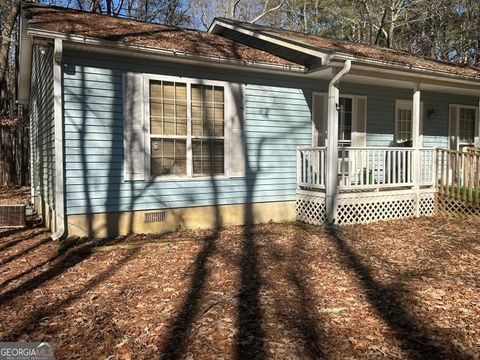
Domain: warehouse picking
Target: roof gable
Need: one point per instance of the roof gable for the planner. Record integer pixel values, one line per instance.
(328, 46)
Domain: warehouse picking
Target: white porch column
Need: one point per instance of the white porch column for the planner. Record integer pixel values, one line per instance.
(416, 168)
(416, 114)
(331, 176)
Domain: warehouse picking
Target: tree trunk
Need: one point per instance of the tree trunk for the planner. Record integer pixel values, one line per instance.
(6, 33)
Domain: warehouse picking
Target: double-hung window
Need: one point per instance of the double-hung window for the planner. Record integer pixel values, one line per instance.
(182, 128)
(186, 127)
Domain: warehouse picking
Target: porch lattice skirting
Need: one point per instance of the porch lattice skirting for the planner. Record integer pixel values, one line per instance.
(365, 207)
(310, 207)
(457, 208)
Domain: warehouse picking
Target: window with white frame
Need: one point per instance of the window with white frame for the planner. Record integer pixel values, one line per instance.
(345, 121)
(187, 128)
(466, 126)
(403, 120)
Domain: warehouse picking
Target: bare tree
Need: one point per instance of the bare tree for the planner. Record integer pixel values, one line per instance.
(8, 23)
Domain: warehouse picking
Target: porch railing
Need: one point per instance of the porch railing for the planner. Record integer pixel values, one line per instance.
(311, 167)
(458, 174)
(367, 167)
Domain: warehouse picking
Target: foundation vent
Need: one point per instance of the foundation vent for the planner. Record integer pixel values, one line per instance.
(12, 216)
(155, 217)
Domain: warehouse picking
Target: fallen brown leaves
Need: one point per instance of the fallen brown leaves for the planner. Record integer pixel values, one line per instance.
(17, 196)
(397, 289)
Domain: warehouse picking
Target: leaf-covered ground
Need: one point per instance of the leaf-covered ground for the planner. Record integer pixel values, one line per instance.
(16, 196)
(400, 289)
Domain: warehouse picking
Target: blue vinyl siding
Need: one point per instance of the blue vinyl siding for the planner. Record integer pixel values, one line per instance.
(381, 113)
(277, 120)
(42, 125)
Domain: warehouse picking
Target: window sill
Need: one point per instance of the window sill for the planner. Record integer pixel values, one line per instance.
(172, 178)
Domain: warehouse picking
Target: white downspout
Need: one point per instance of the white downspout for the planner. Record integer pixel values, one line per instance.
(331, 186)
(58, 117)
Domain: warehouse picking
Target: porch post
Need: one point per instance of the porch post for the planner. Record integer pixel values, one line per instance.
(331, 177)
(331, 183)
(416, 168)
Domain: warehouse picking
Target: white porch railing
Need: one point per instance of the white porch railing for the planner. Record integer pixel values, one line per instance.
(367, 167)
(311, 167)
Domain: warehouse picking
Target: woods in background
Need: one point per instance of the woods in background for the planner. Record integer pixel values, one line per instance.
(14, 141)
(446, 30)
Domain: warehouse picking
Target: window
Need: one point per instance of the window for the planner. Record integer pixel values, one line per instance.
(345, 116)
(187, 128)
(403, 120)
(466, 126)
(208, 114)
(463, 126)
(168, 128)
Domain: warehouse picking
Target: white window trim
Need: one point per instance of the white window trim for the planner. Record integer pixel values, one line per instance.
(457, 125)
(227, 111)
(354, 117)
(314, 140)
(404, 103)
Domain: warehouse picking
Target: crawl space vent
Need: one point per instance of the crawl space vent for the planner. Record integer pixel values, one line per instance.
(155, 217)
(12, 216)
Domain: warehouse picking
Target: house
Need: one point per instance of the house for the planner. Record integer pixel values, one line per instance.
(140, 127)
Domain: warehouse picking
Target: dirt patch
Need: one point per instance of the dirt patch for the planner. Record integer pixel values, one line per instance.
(394, 289)
(14, 196)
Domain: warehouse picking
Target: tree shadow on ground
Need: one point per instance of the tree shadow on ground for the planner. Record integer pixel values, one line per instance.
(250, 339)
(70, 253)
(413, 337)
(310, 328)
(31, 224)
(175, 345)
(294, 307)
(25, 252)
(35, 318)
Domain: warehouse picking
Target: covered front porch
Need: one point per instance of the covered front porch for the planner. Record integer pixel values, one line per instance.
(372, 183)
(358, 170)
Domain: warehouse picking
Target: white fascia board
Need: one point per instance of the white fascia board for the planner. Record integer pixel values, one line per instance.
(400, 69)
(98, 45)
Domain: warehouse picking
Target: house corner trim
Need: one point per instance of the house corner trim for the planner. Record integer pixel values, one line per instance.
(58, 119)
